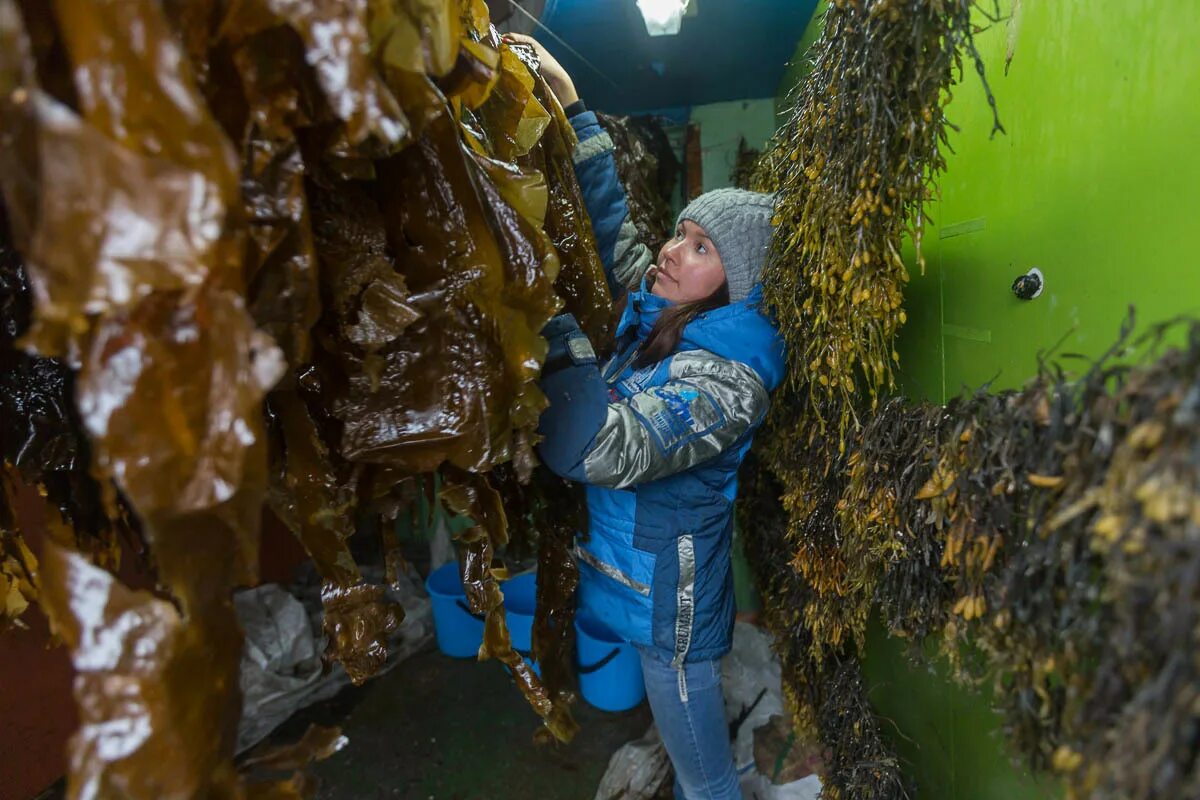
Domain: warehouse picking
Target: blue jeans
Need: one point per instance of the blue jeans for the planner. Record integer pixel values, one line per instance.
(694, 730)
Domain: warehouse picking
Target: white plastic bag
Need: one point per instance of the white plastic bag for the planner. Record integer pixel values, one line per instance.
(749, 673)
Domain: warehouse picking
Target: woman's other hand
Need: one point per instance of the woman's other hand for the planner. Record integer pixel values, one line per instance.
(559, 81)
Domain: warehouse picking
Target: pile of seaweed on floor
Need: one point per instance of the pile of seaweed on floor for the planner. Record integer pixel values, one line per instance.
(1047, 539)
(279, 254)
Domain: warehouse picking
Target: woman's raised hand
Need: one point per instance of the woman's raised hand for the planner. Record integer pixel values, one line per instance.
(559, 81)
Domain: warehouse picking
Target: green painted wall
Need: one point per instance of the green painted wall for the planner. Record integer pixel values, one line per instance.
(947, 736)
(1096, 184)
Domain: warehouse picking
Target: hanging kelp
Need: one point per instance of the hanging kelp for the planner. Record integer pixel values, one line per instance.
(547, 513)
(482, 284)
(18, 565)
(543, 517)
(43, 445)
(745, 166)
(581, 281)
(473, 496)
(649, 171)
(122, 206)
(295, 85)
(410, 367)
(378, 193)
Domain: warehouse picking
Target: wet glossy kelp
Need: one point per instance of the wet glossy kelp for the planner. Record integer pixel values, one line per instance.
(286, 254)
(649, 171)
(119, 199)
(43, 444)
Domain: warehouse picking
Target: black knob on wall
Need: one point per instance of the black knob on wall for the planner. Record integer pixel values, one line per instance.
(1029, 285)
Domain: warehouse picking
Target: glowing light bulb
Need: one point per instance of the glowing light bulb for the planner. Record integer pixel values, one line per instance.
(663, 17)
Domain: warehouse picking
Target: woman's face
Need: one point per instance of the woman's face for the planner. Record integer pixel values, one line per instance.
(688, 267)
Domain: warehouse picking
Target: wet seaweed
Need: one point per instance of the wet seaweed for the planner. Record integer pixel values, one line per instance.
(744, 174)
(853, 166)
(649, 171)
(1042, 538)
(1016, 530)
(388, 219)
(823, 686)
(43, 445)
(294, 254)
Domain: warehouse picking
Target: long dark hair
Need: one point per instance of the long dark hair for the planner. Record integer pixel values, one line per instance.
(668, 328)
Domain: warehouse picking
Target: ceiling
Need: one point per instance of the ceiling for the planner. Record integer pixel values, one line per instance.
(726, 50)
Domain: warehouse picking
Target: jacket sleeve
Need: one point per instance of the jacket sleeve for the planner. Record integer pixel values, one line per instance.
(577, 395)
(625, 258)
(705, 407)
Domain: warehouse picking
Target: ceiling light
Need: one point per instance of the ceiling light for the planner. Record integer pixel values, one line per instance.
(663, 17)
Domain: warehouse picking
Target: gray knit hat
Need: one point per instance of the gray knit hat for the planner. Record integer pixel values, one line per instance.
(739, 224)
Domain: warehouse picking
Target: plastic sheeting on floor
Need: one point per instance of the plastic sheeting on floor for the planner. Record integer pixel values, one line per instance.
(637, 771)
(281, 669)
(751, 680)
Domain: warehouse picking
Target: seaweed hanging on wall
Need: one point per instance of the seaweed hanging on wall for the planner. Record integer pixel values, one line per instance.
(1145, 522)
(890, 524)
(1045, 540)
(823, 688)
(745, 166)
(853, 166)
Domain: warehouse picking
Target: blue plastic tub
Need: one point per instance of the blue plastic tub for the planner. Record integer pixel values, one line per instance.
(459, 632)
(610, 671)
(520, 602)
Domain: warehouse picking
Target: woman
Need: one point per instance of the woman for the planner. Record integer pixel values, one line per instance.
(658, 433)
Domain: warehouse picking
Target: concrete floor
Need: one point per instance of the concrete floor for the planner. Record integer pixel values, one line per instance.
(448, 729)
(438, 728)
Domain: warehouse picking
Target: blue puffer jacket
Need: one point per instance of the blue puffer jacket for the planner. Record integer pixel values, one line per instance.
(659, 447)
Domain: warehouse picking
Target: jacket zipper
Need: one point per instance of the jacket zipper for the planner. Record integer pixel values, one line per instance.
(614, 374)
